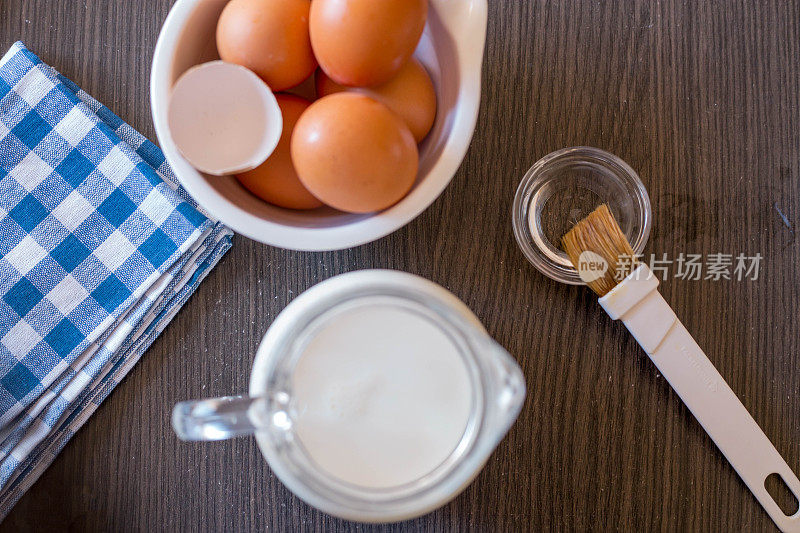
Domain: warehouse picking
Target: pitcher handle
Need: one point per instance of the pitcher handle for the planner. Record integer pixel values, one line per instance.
(229, 416)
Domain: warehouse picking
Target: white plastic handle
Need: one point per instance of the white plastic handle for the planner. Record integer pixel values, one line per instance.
(637, 302)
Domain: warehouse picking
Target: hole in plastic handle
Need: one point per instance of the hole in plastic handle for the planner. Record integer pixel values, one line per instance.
(782, 494)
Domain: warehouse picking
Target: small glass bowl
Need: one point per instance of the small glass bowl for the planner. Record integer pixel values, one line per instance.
(565, 186)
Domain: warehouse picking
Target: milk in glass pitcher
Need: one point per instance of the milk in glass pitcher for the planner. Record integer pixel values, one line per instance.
(375, 396)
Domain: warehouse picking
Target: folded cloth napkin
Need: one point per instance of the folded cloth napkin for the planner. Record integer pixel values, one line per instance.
(99, 248)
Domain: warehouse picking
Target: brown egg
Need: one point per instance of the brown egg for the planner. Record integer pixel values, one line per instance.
(410, 94)
(275, 180)
(354, 153)
(361, 43)
(270, 37)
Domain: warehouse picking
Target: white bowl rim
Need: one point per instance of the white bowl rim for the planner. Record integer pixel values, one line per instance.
(371, 228)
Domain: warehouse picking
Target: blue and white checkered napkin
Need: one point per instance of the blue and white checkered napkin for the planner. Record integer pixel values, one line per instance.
(99, 248)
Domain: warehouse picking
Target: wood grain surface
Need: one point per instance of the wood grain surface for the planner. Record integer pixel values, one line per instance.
(701, 98)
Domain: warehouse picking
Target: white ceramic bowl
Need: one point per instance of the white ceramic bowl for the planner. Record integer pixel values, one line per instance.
(451, 48)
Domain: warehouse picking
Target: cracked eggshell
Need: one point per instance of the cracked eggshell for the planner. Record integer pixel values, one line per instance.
(223, 118)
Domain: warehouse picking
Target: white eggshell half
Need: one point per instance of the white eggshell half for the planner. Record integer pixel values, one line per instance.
(223, 118)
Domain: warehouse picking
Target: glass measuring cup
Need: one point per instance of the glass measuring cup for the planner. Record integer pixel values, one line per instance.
(269, 412)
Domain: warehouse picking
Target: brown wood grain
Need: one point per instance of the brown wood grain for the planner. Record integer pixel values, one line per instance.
(701, 98)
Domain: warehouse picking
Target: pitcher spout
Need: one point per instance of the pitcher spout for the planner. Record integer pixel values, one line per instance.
(507, 381)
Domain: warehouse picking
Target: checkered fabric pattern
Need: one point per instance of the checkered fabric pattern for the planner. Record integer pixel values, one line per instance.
(99, 248)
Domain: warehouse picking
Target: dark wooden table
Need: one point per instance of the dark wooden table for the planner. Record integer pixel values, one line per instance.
(701, 98)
